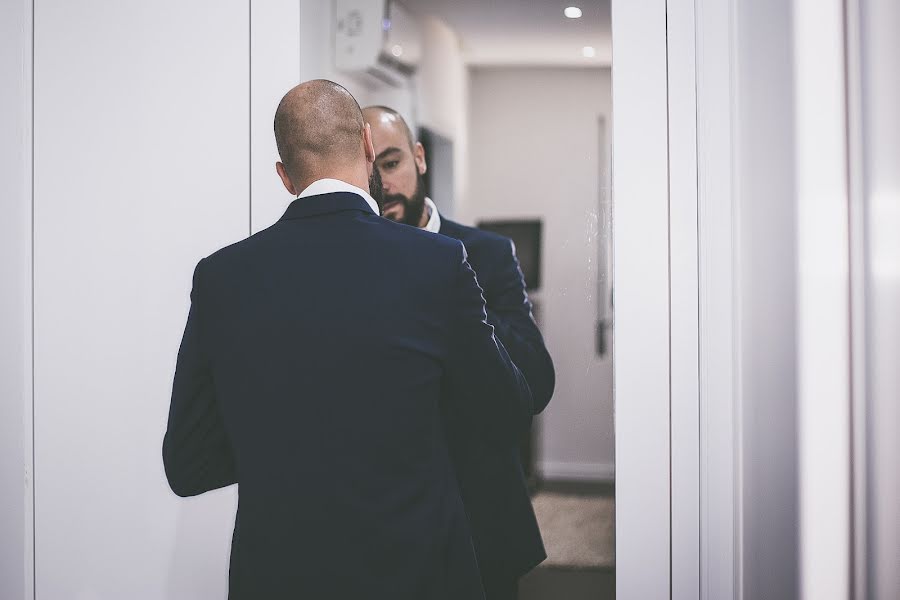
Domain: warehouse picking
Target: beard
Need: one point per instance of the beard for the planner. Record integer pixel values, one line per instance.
(413, 207)
(375, 188)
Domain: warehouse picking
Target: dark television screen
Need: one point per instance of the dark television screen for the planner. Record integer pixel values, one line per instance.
(526, 235)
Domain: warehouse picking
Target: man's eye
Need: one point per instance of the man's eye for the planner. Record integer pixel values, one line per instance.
(391, 164)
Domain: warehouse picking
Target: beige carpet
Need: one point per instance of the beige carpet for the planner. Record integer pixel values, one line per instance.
(578, 531)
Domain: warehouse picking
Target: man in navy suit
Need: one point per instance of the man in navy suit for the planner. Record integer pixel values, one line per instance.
(311, 372)
(507, 539)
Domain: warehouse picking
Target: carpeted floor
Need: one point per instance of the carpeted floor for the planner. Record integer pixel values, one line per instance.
(578, 531)
(579, 535)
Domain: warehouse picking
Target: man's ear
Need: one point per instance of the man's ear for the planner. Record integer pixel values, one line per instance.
(368, 144)
(288, 184)
(419, 154)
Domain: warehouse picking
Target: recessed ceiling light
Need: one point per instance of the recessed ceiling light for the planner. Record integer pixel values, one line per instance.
(573, 12)
(588, 52)
(397, 50)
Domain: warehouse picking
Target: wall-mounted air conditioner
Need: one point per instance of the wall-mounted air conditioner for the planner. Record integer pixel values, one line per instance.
(376, 39)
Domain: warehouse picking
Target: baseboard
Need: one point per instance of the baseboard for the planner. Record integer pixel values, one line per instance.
(576, 471)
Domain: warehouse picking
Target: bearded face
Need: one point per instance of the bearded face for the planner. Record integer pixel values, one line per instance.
(406, 209)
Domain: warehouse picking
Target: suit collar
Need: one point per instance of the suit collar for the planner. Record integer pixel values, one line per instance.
(329, 185)
(323, 204)
(448, 226)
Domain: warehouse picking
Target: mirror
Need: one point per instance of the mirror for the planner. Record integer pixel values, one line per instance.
(511, 102)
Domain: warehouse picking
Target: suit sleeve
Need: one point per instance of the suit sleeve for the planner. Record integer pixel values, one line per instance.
(491, 392)
(196, 452)
(509, 311)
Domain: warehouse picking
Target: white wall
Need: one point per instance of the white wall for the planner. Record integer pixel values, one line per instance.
(15, 298)
(317, 48)
(442, 102)
(143, 142)
(274, 69)
(535, 153)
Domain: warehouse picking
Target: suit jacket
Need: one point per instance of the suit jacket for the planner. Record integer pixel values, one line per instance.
(506, 534)
(310, 373)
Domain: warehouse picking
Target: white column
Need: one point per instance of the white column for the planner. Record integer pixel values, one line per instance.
(16, 499)
(765, 313)
(880, 136)
(685, 288)
(641, 254)
(823, 284)
(718, 274)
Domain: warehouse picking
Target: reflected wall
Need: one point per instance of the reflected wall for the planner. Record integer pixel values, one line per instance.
(537, 148)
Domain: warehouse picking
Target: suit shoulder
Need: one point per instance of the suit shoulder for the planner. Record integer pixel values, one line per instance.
(237, 250)
(415, 235)
(239, 247)
(477, 239)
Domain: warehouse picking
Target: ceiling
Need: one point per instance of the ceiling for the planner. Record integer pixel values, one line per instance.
(524, 32)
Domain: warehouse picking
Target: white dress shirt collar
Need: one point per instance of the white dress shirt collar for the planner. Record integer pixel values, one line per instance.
(330, 186)
(434, 219)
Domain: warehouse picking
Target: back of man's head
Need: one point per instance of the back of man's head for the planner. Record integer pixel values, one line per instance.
(319, 132)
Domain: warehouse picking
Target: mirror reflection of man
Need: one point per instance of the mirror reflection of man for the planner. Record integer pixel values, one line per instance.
(507, 540)
(286, 382)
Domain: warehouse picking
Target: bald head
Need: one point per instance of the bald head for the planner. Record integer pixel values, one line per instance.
(384, 117)
(319, 132)
(400, 160)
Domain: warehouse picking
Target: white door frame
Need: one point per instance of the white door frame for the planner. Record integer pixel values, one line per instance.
(874, 148)
(641, 274)
(16, 383)
(675, 353)
(719, 275)
(679, 223)
(684, 299)
(823, 299)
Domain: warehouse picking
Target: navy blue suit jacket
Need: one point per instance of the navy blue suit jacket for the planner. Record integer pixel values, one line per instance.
(507, 539)
(311, 373)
